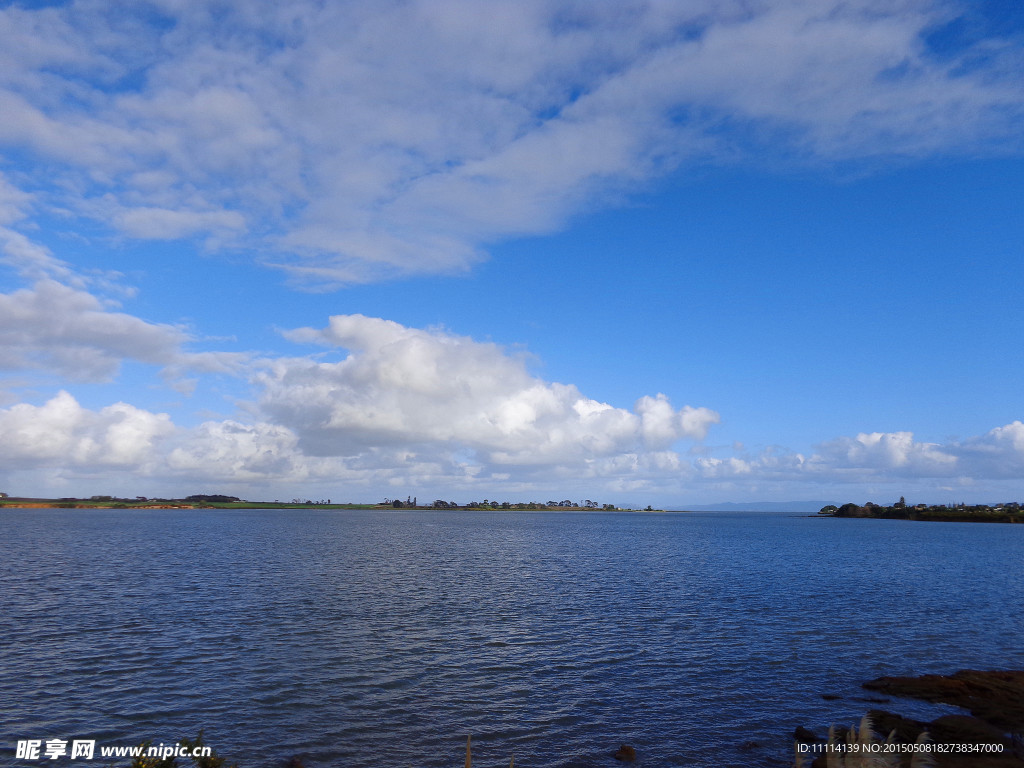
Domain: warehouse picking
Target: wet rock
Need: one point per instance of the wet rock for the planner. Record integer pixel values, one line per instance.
(805, 735)
(625, 753)
(996, 697)
(995, 700)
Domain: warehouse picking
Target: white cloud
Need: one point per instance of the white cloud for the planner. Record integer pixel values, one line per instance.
(13, 202)
(405, 406)
(61, 442)
(405, 386)
(349, 142)
(998, 453)
(165, 224)
(890, 458)
(892, 451)
(70, 332)
(63, 434)
(30, 259)
(661, 425)
(886, 457)
(55, 327)
(238, 453)
(711, 467)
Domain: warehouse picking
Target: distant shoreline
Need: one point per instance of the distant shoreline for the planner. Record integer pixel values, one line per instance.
(87, 504)
(138, 503)
(1011, 512)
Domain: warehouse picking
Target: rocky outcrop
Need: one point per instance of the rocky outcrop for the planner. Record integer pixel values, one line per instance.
(995, 700)
(996, 697)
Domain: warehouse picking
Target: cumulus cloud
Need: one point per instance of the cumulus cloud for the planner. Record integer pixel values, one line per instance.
(891, 451)
(349, 142)
(62, 433)
(880, 457)
(868, 457)
(451, 453)
(404, 406)
(406, 386)
(238, 452)
(661, 425)
(998, 453)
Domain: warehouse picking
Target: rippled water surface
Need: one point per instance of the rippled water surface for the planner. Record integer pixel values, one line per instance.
(382, 639)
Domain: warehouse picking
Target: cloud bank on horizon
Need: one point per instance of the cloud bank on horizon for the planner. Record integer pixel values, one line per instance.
(352, 143)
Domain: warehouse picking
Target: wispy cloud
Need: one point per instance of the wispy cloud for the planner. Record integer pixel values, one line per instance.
(350, 142)
(67, 331)
(359, 141)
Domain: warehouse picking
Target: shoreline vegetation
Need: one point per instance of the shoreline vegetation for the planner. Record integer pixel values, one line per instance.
(1009, 512)
(220, 501)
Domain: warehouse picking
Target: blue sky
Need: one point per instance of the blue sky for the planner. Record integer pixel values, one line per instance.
(643, 252)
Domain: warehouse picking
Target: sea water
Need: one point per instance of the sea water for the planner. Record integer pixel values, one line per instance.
(359, 638)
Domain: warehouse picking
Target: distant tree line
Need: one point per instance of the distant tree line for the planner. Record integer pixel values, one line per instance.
(411, 503)
(1008, 512)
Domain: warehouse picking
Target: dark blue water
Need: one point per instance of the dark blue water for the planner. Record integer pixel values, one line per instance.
(383, 639)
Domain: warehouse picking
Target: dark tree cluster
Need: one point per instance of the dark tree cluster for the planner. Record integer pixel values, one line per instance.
(493, 504)
(1009, 512)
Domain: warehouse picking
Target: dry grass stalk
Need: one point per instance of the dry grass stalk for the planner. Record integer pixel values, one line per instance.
(923, 759)
(799, 762)
(862, 749)
(469, 755)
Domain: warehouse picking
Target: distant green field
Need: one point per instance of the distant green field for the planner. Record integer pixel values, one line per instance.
(157, 503)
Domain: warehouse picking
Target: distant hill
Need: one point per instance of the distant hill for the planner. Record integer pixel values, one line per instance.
(759, 506)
